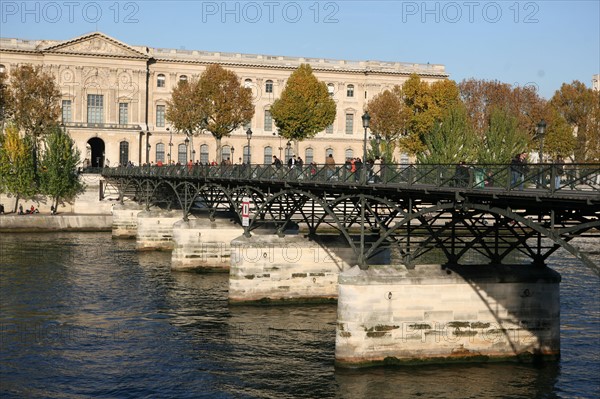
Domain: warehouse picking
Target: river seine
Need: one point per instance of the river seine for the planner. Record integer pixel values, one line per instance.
(85, 316)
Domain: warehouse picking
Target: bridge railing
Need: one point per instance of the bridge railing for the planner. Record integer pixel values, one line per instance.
(546, 177)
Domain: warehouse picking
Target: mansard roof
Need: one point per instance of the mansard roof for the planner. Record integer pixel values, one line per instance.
(98, 44)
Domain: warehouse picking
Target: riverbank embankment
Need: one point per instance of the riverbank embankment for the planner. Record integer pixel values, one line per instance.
(62, 222)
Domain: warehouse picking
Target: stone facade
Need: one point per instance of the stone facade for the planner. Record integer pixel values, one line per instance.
(114, 96)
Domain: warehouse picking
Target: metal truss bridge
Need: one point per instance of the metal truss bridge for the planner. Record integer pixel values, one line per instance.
(483, 214)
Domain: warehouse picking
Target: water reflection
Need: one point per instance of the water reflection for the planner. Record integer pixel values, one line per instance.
(84, 316)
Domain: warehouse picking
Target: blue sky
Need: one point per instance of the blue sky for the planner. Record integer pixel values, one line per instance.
(541, 43)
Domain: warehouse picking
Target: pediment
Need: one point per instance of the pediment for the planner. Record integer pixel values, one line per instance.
(95, 44)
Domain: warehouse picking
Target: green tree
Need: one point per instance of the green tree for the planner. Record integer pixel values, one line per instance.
(16, 165)
(33, 104)
(559, 138)
(503, 139)
(576, 103)
(305, 107)
(3, 100)
(60, 180)
(224, 103)
(452, 139)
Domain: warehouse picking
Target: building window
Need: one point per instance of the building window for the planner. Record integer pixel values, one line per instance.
(246, 154)
(123, 113)
(160, 116)
(183, 78)
(268, 156)
(160, 152)
(349, 123)
(329, 129)
(225, 153)
(204, 154)
(160, 80)
(331, 89)
(95, 108)
(2, 68)
(247, 126)
(67, 115)
(308, 156)
(269, 86)
(123, 153)
(328, 152)
(289, 152)
(268, 121)
(248, 83)
(350, 91)
(349, 153)
(182, 154)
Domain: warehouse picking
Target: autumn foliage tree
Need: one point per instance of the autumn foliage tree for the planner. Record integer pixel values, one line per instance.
(578, 105)
(183, 110)
(388, 120)
(225, 104)
(33, 104)
(305, 106)
(17, 176)
(424, 106)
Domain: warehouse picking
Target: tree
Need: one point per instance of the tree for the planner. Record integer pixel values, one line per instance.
(305, 107)
(183, 109)
(503, 139)
(59, 167)
(576, 103)
(424, 105)
(16, 165)
(482, 97)
(388, 121)
(225, 104)
(559, 138)
(3, 100)
(452, 139)
(33, 104)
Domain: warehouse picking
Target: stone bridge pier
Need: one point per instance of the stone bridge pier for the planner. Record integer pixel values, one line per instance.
(269, 269)
(392, 315)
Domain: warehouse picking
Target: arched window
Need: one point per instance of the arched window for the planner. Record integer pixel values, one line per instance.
(204, 154)
(226, 153)
(160, 152)
(269, 86)
(248, 83)
(349, 153)
(331, 89)
(160, 80)
(328, 151)
(268, 156)
(289, 151)
(350, 91)
(308, 156)
(2, 68)
(123, 153)
(182, 154)
(183, 78)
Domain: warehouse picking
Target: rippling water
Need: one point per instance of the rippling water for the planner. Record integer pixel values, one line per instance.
(84, 316)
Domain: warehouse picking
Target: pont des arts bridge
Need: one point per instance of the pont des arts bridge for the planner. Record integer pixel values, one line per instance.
(428, 263)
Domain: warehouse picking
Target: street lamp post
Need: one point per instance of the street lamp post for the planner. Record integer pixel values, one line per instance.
(280, 146)
(148, 134)
(193, 155)
(366, 119)
(187, 143)
(288, 149)
(232, 152)
(249, 136)
(541, 132)
(170, 143)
